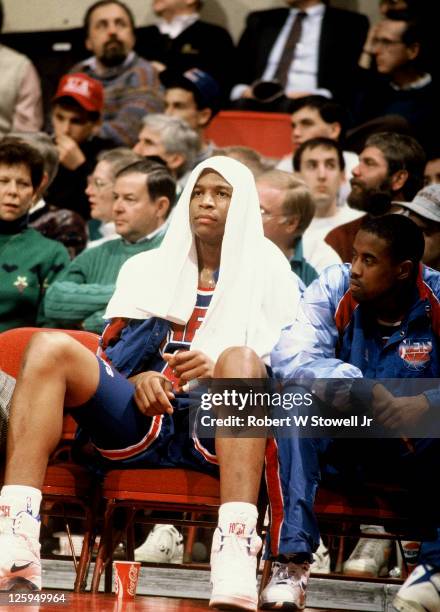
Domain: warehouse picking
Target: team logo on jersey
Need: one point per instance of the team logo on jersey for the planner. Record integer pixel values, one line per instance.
(415, 354)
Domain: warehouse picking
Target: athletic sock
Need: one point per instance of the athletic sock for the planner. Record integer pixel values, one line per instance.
(232, 515)
(19, 498)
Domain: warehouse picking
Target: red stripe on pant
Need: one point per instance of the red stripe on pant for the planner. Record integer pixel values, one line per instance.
(131, 451)
(274, 491)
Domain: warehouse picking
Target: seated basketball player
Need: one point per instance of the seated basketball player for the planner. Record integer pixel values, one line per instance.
(217, 288)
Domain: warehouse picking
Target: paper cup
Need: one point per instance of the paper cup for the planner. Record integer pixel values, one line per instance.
(126, 574)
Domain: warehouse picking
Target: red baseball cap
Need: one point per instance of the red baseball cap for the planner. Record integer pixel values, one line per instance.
(88, 92)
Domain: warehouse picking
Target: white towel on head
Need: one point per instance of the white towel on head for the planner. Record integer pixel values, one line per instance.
(256, 294)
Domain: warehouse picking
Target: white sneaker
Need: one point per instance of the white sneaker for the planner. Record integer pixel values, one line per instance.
(64, 547)
(287, 587)
(321, 560)
(20, 565)
(164, 544)
(420, 592)
(369, 557)
(234, 568)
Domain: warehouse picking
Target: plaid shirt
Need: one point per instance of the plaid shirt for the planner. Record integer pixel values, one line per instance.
(7, 384)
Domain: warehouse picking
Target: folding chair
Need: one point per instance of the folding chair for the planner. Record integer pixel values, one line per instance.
(171, 490)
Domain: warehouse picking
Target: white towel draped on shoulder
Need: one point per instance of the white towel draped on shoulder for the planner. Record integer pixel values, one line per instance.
(256, 294)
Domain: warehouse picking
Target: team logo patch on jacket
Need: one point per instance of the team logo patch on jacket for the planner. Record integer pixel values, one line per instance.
(415, 354)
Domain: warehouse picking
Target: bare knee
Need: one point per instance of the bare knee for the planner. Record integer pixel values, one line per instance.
(48, 350)
(239, 362)
(56, 357)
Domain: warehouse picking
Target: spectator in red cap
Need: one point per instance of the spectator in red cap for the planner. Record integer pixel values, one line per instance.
(76, 116)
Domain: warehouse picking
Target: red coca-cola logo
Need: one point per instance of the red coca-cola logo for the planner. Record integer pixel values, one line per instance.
(132, 577)
(118, 584)
(126, 576)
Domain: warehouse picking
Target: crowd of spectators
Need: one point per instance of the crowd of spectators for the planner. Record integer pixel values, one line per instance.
(103, 175)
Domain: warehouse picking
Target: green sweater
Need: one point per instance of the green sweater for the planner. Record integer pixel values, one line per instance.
(83, 291)
(29, 263)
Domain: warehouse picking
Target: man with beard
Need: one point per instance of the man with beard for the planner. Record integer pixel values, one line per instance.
(390, 168)
(131, 84)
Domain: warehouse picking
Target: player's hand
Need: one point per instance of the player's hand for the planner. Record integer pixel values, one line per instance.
(153, 392)
(71, 156)
(188, 365)
(397, 412)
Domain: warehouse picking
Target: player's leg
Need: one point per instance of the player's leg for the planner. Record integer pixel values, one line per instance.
(292, 475)
(57, 370)
(236, 543)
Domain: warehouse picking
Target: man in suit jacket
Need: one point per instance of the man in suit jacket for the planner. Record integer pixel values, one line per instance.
(325, 56)
(180, 41)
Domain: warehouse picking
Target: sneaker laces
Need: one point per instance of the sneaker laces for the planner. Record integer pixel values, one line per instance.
(282, 573)
(249, 542)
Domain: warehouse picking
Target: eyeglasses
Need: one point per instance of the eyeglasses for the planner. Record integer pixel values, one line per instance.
(96, 182)
(386, 43)
(266, 215)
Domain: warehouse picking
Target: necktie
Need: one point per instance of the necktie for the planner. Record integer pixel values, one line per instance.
(289, 49)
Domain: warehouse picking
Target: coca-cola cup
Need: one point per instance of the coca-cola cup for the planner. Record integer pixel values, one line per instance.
(126, 575)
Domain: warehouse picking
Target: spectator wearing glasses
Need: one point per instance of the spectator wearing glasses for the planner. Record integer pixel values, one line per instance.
(100, 193)
(400, 84)
(287, 208)
(426, 13)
